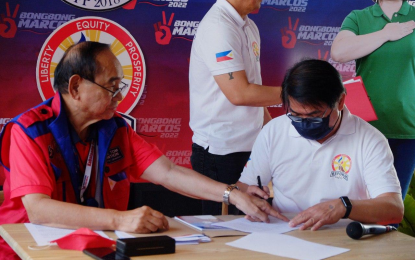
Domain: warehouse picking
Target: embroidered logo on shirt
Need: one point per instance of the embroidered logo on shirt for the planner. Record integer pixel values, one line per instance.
(223, 56)
(114, 155)
(341, 166)
(255, 49)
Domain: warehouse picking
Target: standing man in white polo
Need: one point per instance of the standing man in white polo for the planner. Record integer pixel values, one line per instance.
(227, 101)
(324, 163)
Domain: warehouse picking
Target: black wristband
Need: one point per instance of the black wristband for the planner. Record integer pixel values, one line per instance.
(347, 204)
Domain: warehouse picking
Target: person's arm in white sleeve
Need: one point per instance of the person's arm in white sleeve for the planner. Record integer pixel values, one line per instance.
(230, 75)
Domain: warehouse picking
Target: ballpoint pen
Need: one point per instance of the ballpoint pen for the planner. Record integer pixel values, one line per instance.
(259, 182)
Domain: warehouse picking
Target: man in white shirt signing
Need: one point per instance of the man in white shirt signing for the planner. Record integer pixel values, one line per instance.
(324, 163)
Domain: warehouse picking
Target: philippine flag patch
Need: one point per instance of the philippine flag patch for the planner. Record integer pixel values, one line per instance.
(222, 56)
(246, 165)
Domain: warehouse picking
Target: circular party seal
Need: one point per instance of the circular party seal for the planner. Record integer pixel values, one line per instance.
(97, 5)
(97, 29)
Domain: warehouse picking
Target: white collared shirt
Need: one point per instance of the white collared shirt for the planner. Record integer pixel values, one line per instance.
(356, 162)
(224, 43)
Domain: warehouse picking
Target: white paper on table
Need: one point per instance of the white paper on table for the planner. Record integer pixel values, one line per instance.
(43, 234)
(286, 246)
(206, 217)
(122, 234)
(241, 224)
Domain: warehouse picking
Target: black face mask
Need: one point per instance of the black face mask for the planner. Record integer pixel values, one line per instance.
(314, 130)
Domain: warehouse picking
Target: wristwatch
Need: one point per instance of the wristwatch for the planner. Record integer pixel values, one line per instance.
(347, 204)
(227, 192)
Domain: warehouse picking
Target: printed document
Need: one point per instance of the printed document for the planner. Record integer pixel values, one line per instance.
(241, 224)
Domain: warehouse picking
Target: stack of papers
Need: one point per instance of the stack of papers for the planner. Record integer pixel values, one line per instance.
(192, 239)
(201, 222)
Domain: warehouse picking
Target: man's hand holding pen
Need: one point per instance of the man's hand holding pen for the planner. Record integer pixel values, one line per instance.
(259, 191)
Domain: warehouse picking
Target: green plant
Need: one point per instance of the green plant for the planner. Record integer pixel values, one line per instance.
(407, 225)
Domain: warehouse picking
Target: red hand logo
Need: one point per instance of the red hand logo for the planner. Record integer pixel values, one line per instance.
(8, 26)
(289, 39)
(325, 55)
(162, 31)
(130, 5)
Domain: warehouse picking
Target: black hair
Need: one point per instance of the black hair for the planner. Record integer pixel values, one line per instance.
(312, 82)
(78, 59)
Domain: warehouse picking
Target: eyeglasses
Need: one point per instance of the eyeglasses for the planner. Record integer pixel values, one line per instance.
(313, 120)
(114, 93)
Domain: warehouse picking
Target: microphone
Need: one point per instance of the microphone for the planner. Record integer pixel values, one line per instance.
(356, 229)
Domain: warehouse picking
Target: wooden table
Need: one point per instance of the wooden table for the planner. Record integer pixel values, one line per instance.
(393, 246)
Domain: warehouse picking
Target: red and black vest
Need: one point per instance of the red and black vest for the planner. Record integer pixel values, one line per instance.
(51, 134)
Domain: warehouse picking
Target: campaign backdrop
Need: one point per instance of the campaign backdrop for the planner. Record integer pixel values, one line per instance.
(152, 39)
